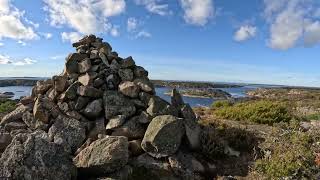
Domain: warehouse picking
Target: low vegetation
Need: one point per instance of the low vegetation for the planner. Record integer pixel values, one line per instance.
(289, 154)
(261, 111)
(7, 105)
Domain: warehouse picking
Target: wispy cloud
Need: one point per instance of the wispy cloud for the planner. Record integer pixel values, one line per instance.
(154, 6)
(7, 60)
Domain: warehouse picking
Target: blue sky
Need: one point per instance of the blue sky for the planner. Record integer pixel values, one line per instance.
(259, 41)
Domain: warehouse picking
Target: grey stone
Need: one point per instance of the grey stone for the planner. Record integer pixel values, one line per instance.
(163, 136)
(84, 66)
(193, 129)
(98, 128)
(112, 81)
(14, 115)
(89, 91)
(140, 72)
(158, 106)
(131, 129)
(103, 156)
(88, 78)
(60, 83)
(82, 102)
(117, 104)
(71, 92)
(5, 140)
(126, 74)
(68, 132)
(33, 157)
(93, 109)
(72, 62)
(31, 122)
(116, 121)
(128, 62)
(145, 85)
(176, 99)
(129, 88)
(15, 126)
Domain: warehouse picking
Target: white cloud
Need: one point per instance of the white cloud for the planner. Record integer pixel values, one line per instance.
(1, 44)
(25, 61)
(153, 6)
(115, 31)
(85, 16)
(71, 37)
(197, 12)
(22, 43)
(244, 33)
(312, 34)
(143, 34)
(290, 22)
(12, 26)
(132, 24)
(7, 60)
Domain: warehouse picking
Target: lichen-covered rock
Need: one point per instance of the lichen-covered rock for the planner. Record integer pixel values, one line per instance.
(163, 136)
(88, 78)
(31, 122)
(158, 106)
(185, 165)
(84, 66)
(129, 89)
(103, 156)
(126, 74)
(40, 113)
(93, 109)
(60, 83)
(193, 129)
(14, 115)
(132, 129)
(71, 92)
(72, 62)
(68, 132)
(5, 140)
(116, 104)
(33, 157)
(116, 121)
(89, 91)
(176, 99)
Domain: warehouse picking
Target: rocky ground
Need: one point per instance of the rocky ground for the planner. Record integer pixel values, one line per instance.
(101, 119)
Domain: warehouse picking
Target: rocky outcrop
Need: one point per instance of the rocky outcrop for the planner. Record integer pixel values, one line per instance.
(103, 113)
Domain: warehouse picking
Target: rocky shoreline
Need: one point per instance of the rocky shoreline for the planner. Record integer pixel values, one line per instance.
(191, 84)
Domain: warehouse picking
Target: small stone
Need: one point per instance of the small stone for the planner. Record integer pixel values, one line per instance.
(88, 78)
(135, 147)
(115, 122)
(39, 111)
(72, 62)
(5, 139)
(132, 129)
(145, 85)
(89, 91)
(128, 62)
(84, 66)
(31, 122)
(117, 104)
(144, 118)
(15, 126)
(15, 115)
(60, 83)
(140, 72)
(98, 128)
(126, 74)
(93, 109)
(82, 102)
(129, 89)
(98, 83)
(71, 92)
(176, 99)
(112, 81)
(26, 100)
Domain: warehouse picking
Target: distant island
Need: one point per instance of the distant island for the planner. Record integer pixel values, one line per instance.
(192, 84)
(204, 93)
(18, 82)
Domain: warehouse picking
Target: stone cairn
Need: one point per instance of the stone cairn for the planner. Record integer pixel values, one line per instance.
(99, 119)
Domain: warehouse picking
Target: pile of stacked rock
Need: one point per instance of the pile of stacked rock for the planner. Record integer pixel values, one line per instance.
(99, 119)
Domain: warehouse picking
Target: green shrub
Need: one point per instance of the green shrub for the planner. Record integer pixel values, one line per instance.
(313, 117)
(7, 106)
(220, 104)
(288, 155)
(264, 112)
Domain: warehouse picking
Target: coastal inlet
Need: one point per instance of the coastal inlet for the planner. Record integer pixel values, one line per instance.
(194, 98)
